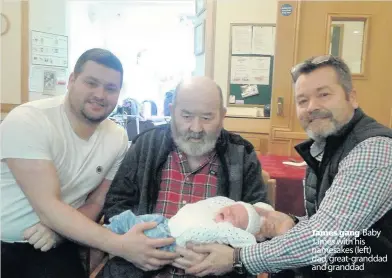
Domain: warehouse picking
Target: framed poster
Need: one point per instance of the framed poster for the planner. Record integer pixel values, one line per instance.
(200, 6)
(199, 38)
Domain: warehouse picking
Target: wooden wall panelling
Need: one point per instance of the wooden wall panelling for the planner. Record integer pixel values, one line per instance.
(390, 120)
(254, 140)
(279, 147)
(255, 130)
(17, 29)
(246, 124)
(259, 141)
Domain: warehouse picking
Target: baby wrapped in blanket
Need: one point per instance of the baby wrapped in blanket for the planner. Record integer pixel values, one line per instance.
(214, 220)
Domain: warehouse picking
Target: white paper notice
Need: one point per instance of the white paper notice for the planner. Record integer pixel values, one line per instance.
(240, 73)
(36, 83)
(259, 70)
(249, 90)
(241, 40)
(48, 80)
(49, 49)
(263, 40)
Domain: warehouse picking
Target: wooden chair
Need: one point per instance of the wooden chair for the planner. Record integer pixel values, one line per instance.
(96, 259)
(271, 193)
(271, 187)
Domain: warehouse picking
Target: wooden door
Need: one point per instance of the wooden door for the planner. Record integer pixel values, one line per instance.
(306, 32)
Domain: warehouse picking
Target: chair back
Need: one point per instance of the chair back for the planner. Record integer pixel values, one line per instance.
(153, 109)
(168, 100)
(271, 187)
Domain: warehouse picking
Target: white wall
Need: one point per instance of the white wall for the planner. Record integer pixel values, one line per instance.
(83, 20)
(237, 11)
(10, 48)
(48, 16)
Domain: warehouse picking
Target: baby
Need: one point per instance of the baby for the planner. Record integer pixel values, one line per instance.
(214, 220)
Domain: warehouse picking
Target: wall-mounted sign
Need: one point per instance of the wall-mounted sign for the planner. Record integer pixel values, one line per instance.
(286, 9)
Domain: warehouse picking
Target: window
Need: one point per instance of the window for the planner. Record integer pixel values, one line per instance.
(153, 40)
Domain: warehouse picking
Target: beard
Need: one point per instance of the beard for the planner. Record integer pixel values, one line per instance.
(94, 119)
(89, 116)
(205, 145)
(78, 107)
(317, 130)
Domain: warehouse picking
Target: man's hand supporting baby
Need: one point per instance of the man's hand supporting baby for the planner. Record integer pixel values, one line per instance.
(187, 257)
(219, 259)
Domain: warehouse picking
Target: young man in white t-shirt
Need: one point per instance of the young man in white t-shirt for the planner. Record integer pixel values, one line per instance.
(58, 159)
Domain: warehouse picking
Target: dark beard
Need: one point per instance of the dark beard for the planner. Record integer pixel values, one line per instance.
(91, 119)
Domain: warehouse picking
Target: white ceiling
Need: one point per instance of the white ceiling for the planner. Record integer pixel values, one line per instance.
(101, 10)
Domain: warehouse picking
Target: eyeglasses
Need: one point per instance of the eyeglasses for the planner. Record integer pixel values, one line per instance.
(315, 63)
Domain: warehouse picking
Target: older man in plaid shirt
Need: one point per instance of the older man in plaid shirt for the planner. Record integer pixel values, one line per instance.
(347, 231)
(191, 159)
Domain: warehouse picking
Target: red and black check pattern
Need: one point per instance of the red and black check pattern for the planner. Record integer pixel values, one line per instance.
(180, 186)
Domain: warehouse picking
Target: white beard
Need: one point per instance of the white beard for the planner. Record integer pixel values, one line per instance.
(194, 148)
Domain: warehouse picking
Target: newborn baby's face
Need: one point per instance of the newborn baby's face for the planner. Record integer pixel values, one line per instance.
(235, 214)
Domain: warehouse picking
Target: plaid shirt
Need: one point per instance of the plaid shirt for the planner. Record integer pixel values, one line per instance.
(180, 185)
(361, 193)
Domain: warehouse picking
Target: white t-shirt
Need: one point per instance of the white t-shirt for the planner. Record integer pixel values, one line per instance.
(41, 130)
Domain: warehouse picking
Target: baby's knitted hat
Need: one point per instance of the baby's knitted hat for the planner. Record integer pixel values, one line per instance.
(254, 223)
(263, 206)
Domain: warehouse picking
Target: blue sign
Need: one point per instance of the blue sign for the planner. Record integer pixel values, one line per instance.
(286, 9)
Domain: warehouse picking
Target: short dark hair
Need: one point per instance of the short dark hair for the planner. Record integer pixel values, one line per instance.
(100, 56)
(178, 88)
(341, 68)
